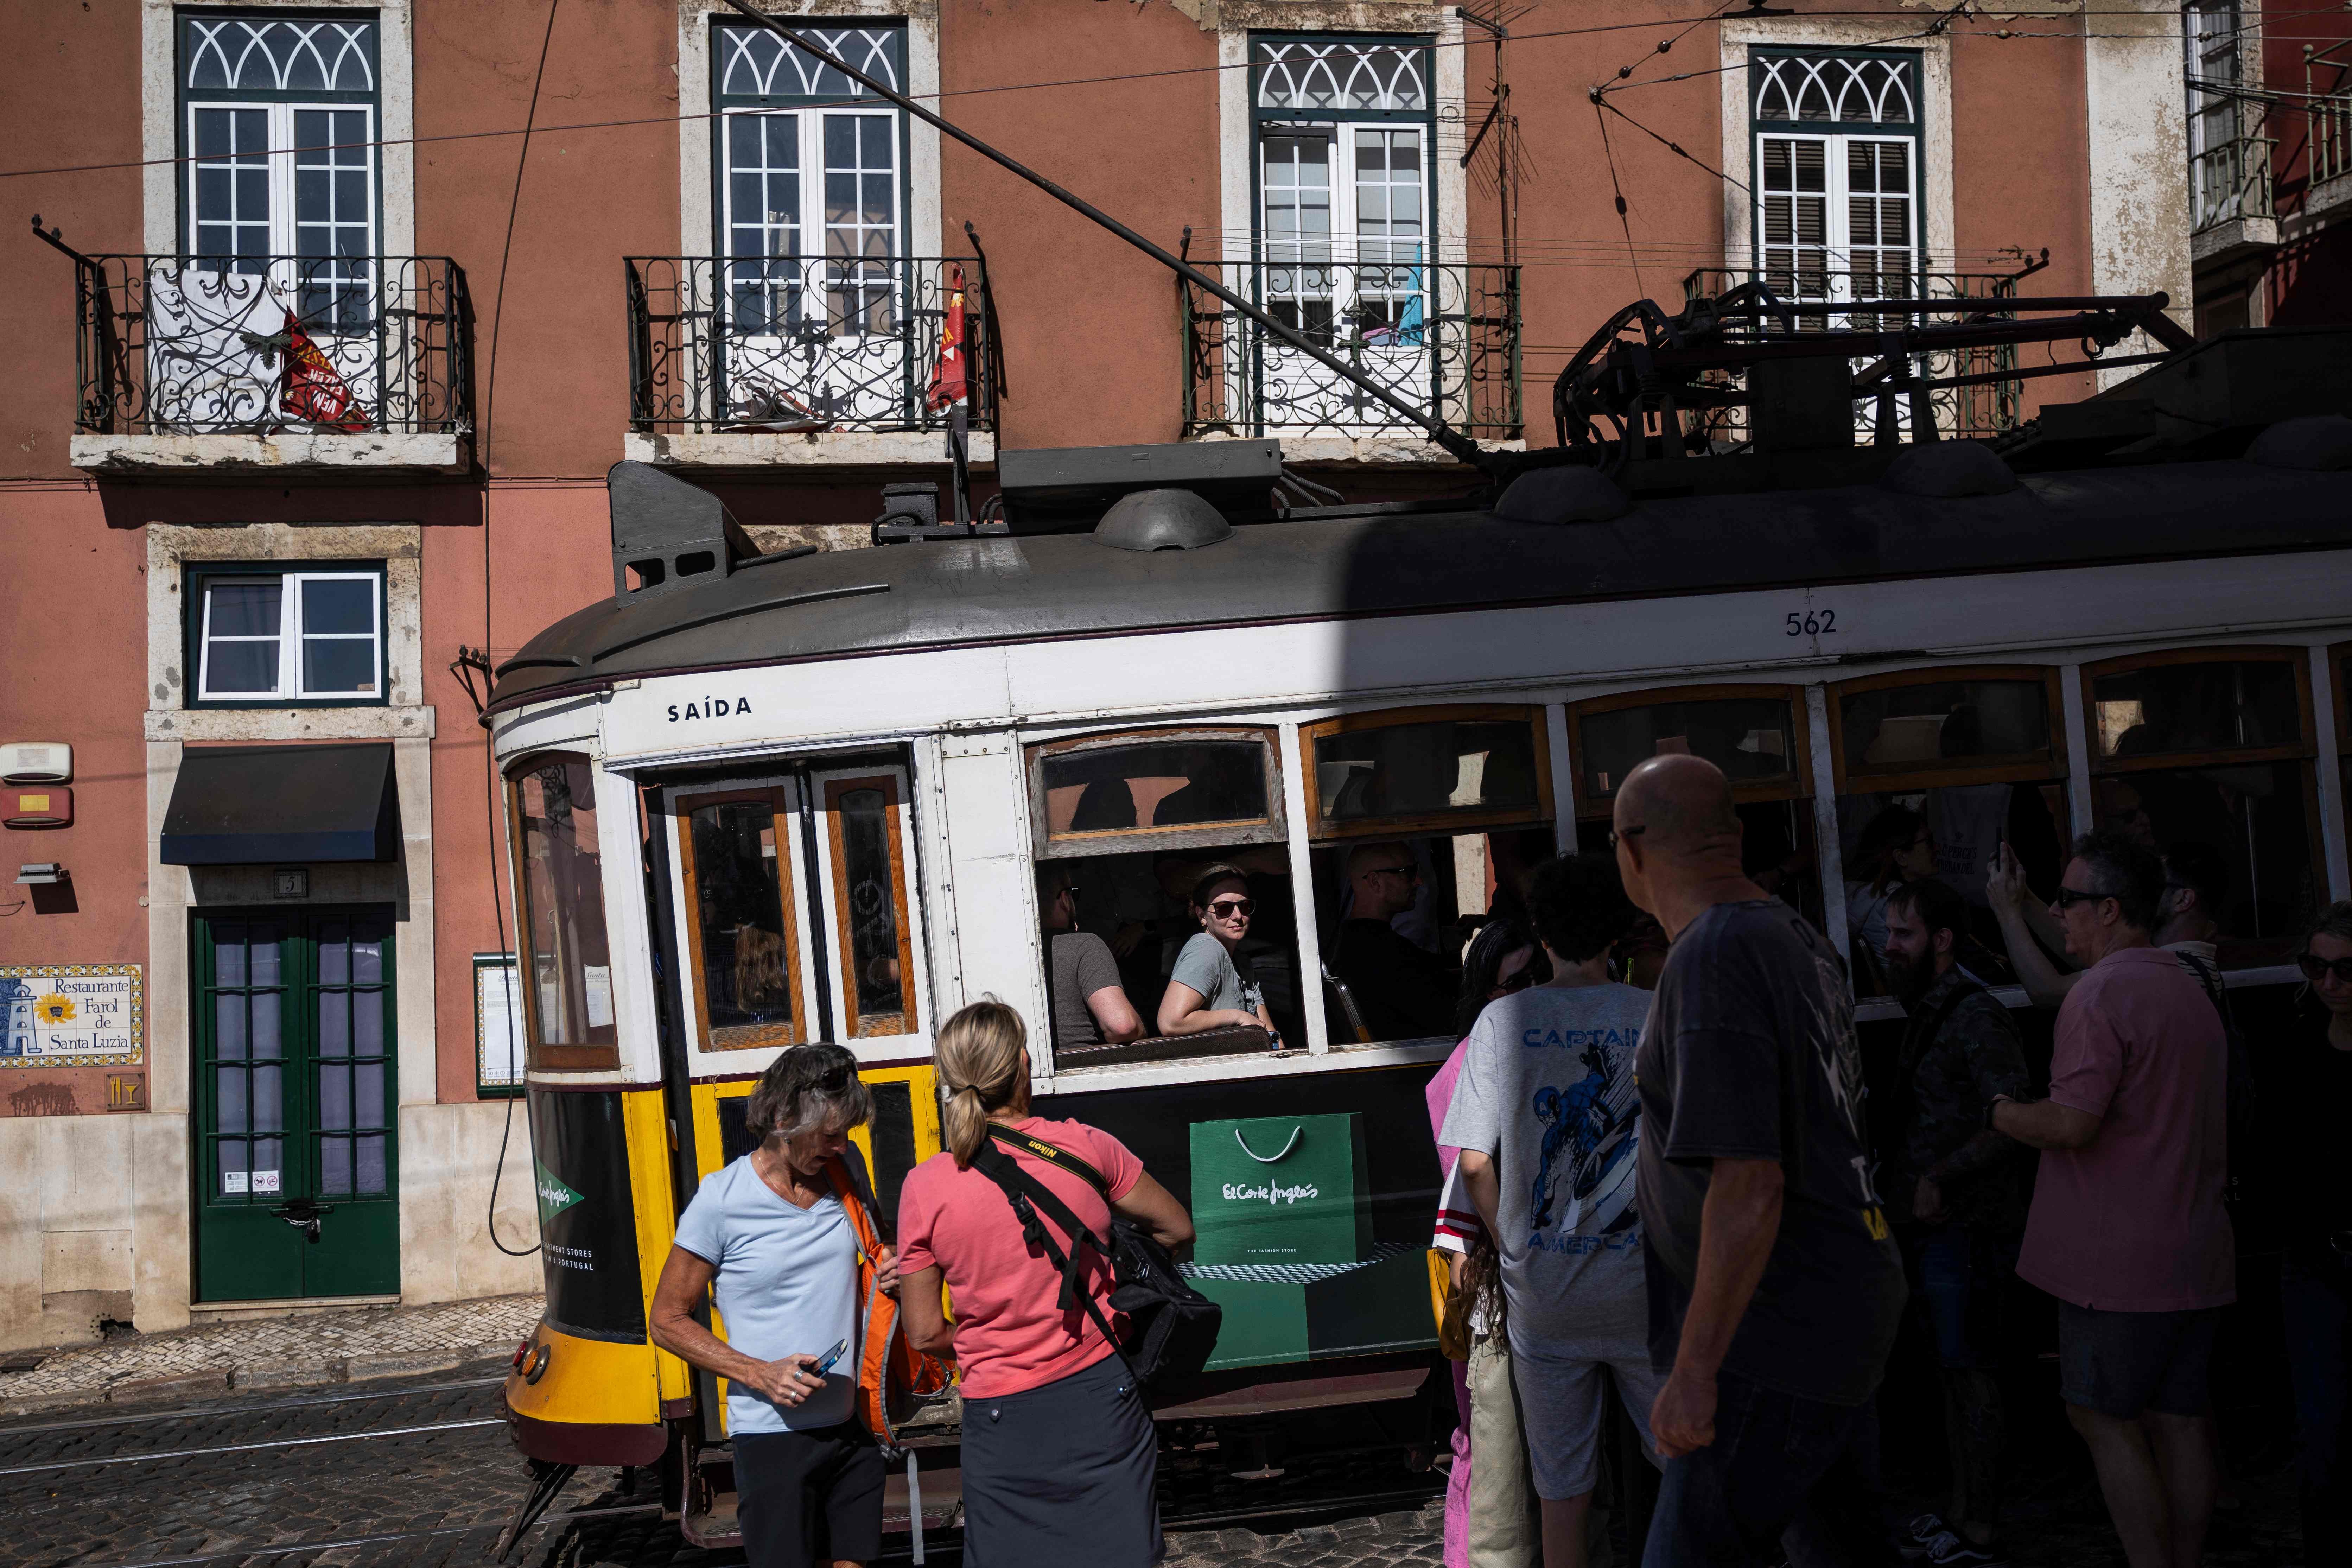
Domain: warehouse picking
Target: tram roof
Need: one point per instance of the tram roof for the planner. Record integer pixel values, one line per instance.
(903, 598)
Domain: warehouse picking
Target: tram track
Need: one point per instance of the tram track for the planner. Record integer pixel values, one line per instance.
(257, 1408)
(160, 1456)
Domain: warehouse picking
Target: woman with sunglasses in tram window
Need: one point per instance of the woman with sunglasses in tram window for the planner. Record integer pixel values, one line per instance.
(2307, 1101)
(1211, 987)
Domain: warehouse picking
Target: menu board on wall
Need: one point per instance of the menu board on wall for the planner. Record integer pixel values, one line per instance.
(73, 1015)
(497, 1025)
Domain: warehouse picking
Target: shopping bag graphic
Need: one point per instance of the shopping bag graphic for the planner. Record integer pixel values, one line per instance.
(1284, 1243)
(1280, 1189)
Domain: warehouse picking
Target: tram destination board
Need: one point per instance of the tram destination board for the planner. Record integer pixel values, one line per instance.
(580, 1167)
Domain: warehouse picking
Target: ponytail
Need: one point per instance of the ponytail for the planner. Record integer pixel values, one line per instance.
(979, 1055)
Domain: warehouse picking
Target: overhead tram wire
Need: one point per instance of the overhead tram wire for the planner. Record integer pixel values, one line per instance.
(1111, 79)
(1624, 221)
(1457, 445)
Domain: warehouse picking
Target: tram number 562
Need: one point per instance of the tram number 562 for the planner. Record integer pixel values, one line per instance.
(1812, 622)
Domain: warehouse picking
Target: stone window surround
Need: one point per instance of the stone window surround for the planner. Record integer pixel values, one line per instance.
(408, 884)
(160, 228)
(1934, 109)
(696, 235)
(1237, 159)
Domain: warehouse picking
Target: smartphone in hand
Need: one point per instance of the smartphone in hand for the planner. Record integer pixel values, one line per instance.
(824, 1364)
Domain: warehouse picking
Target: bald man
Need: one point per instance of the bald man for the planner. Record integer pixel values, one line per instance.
(1775, 1286)
(1405, 991)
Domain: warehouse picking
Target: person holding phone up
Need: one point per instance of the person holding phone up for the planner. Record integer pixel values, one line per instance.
(769, 1231)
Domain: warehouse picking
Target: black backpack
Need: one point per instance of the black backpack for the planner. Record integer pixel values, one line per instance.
(2243, 1112)
(1172, 1328)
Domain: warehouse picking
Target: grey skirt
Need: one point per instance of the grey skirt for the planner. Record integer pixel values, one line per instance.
(1062, 1475)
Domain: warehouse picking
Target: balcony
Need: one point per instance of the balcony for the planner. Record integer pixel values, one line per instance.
(2230, 216)
(207, 363)
(2327, 99)
(1828, 300)
(806, 361)
(1442, 337)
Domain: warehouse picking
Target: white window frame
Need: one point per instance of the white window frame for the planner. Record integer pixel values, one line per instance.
(291, 637)
(282, 155)
(1834, 139)
(1932, 167)
(920, 219)
(811, 232)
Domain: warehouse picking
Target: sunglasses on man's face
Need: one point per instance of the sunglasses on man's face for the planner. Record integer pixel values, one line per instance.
(2069, 897)
(1618, 835)
(1230, 909)
(1411, 871)
(2316, 969)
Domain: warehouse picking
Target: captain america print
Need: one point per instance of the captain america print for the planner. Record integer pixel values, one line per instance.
(1584, 1171)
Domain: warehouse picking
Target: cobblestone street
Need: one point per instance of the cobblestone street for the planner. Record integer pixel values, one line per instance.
(419, 1473)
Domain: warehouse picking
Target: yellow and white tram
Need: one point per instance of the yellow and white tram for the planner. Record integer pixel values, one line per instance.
(759, 800)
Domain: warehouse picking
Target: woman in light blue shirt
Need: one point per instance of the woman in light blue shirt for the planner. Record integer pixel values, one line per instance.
(766, 1236)
(1212, 986)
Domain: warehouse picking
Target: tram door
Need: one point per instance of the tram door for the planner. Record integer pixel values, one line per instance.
(794, 895)
(295, 1097)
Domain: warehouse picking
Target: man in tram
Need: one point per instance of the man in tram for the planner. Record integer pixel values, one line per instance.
(1090, 1006)
(1775, 1288)
(1405, 991)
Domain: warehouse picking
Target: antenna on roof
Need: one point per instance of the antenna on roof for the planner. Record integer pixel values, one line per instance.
(1436, 428)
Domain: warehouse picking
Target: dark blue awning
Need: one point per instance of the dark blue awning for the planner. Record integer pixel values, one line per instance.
(253, 805)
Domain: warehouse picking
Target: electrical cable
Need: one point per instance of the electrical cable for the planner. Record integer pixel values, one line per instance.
(1625, 220)
(1115, 80)
(489, 748)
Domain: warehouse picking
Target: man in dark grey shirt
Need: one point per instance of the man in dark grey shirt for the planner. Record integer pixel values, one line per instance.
(1775, 1286)
(1090, 1006)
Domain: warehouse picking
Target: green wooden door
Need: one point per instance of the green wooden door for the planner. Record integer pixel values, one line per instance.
(295, 1102)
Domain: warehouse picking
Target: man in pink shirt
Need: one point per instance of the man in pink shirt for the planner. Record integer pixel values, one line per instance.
(2127, 1228)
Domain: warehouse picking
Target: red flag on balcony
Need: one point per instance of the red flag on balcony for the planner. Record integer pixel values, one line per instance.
(314, 392)
(948, 382)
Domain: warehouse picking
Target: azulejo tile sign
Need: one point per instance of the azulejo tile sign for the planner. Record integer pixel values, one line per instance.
(73, 1015)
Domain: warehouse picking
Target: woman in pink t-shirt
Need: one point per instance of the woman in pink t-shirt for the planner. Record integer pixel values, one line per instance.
(1059, 1458)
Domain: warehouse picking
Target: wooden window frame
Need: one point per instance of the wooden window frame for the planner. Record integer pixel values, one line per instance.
(682, 805)
(1800, 784)
(854, 1023)
(2339, 676)
(1271, 828)
(538, 1056)
(1947, 771)
(2297, 659)
(1464, 821)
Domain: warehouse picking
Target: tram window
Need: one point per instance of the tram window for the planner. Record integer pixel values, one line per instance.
(874, 935)
(1156, 789)
(1755, 739)
(737, 866)
(1776, 851)
(2215, 750)
(1366, 771)
(1753, 734)
(1396, 914)
(560, 869)
(1138, 904)
(1937, 773)
(2237, 705)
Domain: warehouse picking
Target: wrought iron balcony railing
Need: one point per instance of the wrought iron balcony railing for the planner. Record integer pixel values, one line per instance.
(1826, 299)
(194, 345)
(1442, 336)
(2327, 99)
(802, 344)
(2231, 182)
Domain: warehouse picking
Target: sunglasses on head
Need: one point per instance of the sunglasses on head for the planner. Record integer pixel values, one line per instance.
(1226, 908)
(2316, 969)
